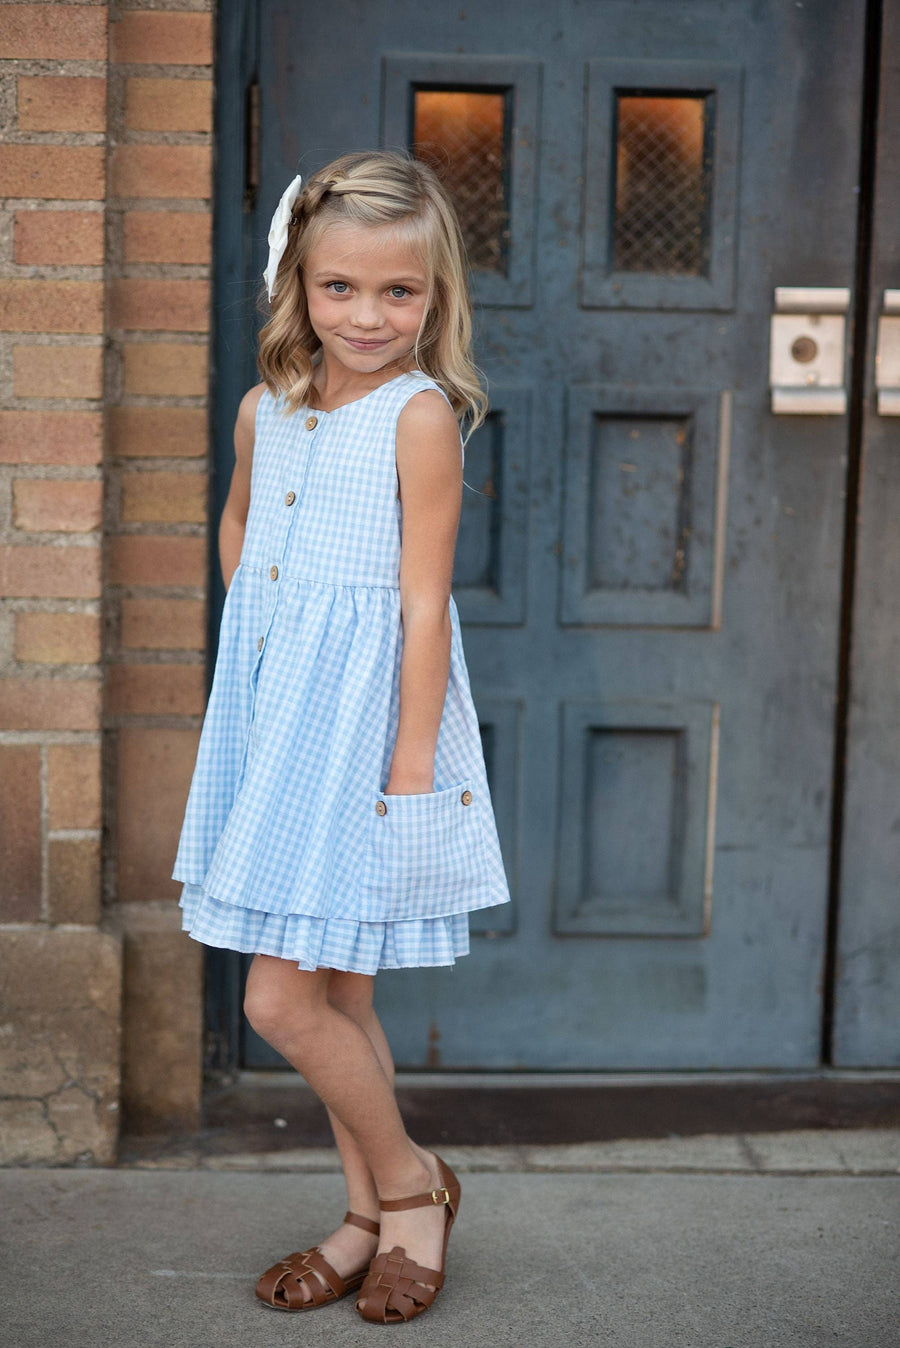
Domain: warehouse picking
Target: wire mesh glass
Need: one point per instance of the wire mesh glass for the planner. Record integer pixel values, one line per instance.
(662, 185)
(462, 135)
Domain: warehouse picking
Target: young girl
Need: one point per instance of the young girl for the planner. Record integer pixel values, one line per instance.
(339, 819)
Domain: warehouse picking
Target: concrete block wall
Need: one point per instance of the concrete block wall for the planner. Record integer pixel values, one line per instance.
(105, 170)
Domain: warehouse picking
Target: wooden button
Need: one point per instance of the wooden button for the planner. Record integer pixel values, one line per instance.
(259, 644)
(380, 807)
(312, 423)
(290, 498)
(273, 572)
(466, 798)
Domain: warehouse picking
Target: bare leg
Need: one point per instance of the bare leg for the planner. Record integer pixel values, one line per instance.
(348, 1248)
(291, 1009)
(352, 994)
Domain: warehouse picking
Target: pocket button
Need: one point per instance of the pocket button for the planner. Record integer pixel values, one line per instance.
(380, 807)
(466, 798)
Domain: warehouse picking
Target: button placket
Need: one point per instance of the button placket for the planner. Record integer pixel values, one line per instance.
(293, 491)
(291, 497)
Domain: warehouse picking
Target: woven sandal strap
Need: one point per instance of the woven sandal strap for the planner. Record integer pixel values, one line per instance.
(285, 1278)
(334, 1283)
(405, 1298)
(364, 1223)
(396, 1264)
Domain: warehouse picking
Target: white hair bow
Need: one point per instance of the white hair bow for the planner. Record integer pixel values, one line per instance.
(278, 231)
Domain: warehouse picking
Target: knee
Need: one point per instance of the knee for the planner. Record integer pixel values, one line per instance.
(278, 1014)
(264, 1009)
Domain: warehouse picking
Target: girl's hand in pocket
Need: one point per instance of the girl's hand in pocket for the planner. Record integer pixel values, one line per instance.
(409, 784)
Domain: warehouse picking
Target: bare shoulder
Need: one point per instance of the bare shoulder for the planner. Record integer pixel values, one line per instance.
(428, 418)
(245, 425)
(246, 416)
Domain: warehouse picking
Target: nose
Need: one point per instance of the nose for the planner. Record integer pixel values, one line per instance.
(366, 314)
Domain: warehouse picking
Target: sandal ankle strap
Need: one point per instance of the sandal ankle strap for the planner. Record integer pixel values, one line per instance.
(364, 1223)
(443, 1196)
(438, 1197)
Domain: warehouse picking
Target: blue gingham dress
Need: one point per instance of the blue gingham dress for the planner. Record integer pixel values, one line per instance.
(289, 845)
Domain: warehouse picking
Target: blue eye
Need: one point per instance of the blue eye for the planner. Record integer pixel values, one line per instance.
(403, 292)
(339, 287)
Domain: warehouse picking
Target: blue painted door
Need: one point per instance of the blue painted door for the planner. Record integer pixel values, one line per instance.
(649, 565)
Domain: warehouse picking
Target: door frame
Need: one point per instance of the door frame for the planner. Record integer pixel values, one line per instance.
(235, 178)
(861, 337)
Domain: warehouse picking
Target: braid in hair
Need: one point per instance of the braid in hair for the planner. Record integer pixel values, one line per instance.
(313, 194)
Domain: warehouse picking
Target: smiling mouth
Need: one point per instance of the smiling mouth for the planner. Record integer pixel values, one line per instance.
(367, 343)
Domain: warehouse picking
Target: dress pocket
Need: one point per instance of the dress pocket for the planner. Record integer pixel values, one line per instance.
(425, 855)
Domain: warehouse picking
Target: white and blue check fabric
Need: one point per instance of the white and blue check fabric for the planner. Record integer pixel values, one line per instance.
(289, 845)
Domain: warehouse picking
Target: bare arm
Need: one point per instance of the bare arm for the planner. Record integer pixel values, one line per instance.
(429, 466)
(237, 504)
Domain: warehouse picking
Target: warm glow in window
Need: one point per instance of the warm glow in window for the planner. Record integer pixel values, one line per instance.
(662, 185)
(462, 135)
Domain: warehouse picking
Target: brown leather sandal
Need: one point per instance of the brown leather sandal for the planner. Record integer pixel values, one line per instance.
(395, 1288)
(279, 1287)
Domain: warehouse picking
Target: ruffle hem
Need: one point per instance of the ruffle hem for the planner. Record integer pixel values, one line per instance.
(324, 942)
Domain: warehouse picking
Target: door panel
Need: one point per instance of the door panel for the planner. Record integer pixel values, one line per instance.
(644, 501)
(649, 562)
(867, 995)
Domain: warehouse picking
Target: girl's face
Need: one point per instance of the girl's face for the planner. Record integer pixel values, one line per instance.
(366, 291)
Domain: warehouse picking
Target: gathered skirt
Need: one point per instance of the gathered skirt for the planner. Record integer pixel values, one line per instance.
(324, 942)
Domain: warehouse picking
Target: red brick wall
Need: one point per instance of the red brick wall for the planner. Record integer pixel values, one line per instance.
(105, 163)
(158, 321)
(53, 185)
(158, 304)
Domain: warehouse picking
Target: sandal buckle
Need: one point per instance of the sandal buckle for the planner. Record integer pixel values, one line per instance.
(435, 1198)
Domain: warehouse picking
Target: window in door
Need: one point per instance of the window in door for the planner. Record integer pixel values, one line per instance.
(663, 176)
(660, 184)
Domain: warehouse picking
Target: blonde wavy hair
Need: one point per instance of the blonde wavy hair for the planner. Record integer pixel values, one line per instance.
(379, 187)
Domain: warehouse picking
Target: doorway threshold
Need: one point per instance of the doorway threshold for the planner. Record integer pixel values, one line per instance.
(272, 1110)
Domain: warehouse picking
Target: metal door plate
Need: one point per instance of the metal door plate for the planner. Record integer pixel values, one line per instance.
(887, 356)
(806, 352)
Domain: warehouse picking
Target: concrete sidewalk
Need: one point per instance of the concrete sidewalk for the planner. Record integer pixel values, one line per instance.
(761, 1241)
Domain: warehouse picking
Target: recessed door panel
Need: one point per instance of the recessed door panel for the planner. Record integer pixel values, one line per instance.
(644, 469)
(490, 573)
(636, 825)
